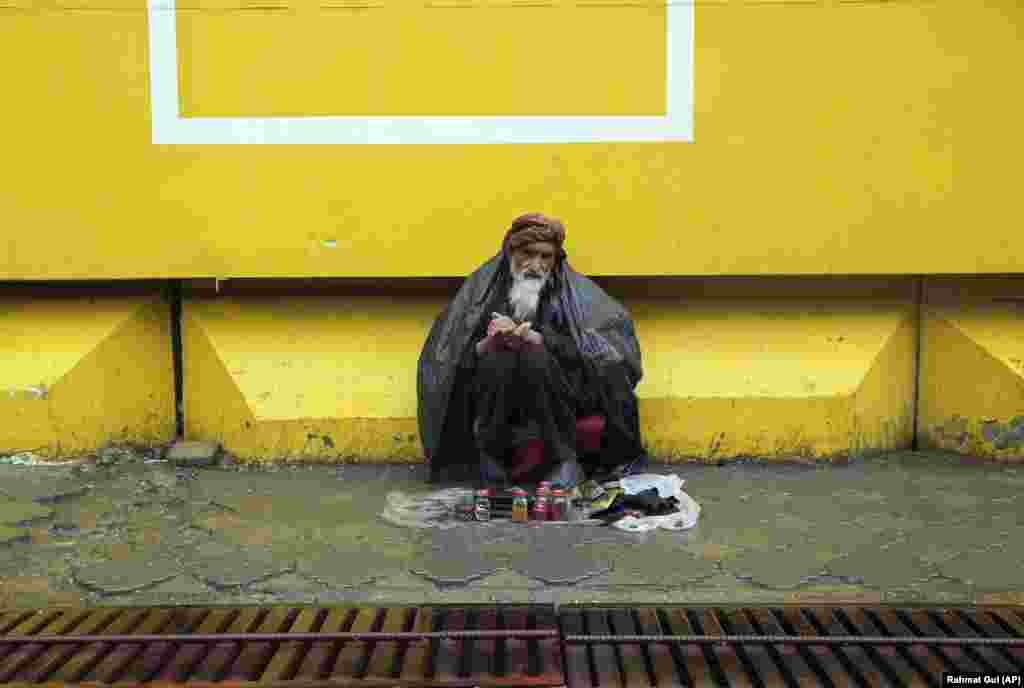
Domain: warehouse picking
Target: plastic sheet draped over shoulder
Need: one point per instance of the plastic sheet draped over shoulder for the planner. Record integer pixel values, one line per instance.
(600, 326)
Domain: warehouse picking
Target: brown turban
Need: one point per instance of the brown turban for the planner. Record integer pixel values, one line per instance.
(533, 227)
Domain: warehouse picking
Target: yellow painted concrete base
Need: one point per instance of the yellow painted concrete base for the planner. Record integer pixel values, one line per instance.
(332, 377)
(972, 357)
(809, 369)
(81, 369)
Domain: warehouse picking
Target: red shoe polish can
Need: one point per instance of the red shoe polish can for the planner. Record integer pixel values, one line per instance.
(540, 504)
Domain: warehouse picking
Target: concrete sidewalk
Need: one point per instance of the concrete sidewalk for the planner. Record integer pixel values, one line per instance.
(902, 528)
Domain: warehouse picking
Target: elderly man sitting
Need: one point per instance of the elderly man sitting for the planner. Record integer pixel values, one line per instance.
(528, 347)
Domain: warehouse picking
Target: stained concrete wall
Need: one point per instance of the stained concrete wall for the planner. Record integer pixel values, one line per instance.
(972, 362)
(776, 368)
(83, 366)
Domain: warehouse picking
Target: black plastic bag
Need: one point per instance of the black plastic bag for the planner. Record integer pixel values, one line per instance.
(602, 329)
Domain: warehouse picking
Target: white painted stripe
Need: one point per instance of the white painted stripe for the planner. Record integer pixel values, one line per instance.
(169, 127)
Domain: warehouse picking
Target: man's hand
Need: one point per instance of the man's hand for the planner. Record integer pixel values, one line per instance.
(500, 324)
(502, 333)
(529, 337)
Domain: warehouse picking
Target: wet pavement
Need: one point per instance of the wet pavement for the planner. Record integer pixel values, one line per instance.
(902, 528)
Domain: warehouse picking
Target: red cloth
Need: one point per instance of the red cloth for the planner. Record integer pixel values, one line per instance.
(588, 432)
(530, 455)
(527, 457)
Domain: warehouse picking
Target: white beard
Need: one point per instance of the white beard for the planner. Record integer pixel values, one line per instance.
(525, 295)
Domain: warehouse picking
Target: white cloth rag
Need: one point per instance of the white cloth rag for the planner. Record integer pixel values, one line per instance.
(425, 510)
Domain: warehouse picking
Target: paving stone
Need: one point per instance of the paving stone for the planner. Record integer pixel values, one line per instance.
(192, 453)
(844, 537)
(833, 517)
(235, 571)
(35, 591)
(158, 482)
(12, 536)
(903, 596)
(349, 567)
(930, 513)
(19, 512)
(651, 567)
(182, 584)
(566, 566)
(528, 541)
(988, 569)
(513, 595)
(724, 588)
(45, 491)
(492, 547)
(886, 523)
(857, 496)
(777, 567)
(445, 569)
(939, 591)
(475, 537)
(127, 575)
(1010, 538)
(290, 583)
(878, 567)
(507, 579)
(937, 544)
(403, 579)
(997, 520)
(211, 549)
(465, 595)
(346, 596)
(240, 531)
(827, 592)
(790, 524)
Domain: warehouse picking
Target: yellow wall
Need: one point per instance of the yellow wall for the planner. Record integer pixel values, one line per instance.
(824, 139)
(972, 367)
(84, 369)
(775, 368)
(790, 368)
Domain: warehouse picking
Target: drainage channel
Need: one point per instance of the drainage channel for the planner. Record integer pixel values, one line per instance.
(577, 646)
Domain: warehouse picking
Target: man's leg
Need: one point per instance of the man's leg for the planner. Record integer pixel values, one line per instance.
(551, 405)
(496, 375)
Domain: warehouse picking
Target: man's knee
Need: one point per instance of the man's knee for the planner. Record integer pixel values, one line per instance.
(534, 360)
(500, 364)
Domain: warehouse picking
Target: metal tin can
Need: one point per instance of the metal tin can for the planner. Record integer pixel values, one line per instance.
(540, 507)
(559, 505)
(483, 505)
(520, 505)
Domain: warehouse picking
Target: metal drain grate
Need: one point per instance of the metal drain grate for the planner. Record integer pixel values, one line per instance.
(578, 646)
(428, 661)
(885, 652)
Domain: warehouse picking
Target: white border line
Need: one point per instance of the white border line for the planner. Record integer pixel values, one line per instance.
(169, 127)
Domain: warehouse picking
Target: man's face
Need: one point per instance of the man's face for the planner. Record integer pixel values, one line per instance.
(535, 260)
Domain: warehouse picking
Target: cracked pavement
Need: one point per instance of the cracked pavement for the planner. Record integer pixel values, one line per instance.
(903, 527)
